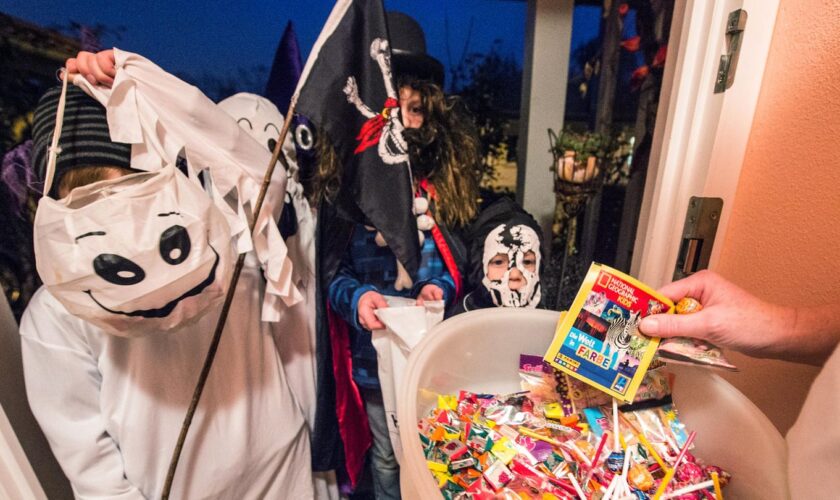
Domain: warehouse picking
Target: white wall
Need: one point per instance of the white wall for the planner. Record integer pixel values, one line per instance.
(544, 77)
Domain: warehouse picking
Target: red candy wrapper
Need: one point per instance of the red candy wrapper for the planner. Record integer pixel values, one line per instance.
(498, 475)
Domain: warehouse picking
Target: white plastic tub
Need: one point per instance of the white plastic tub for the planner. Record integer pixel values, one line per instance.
(479, 351)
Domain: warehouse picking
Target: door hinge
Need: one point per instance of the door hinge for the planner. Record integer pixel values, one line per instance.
(735, 25)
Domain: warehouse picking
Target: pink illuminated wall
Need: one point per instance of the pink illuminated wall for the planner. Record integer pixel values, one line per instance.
(783, 241)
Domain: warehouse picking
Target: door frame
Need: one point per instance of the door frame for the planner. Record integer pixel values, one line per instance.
(700, 137)
(17, 479)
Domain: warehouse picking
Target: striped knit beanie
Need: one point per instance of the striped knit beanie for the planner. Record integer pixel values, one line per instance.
(85, 140)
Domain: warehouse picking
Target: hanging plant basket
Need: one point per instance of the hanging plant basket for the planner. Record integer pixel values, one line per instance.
(578, 175)
(575, 169)
(578, 165)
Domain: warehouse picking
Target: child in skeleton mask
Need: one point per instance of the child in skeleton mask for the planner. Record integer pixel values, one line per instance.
(112, 407)
(505, 259)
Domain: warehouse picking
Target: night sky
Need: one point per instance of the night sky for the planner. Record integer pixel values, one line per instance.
(207, 36)
(220, 38)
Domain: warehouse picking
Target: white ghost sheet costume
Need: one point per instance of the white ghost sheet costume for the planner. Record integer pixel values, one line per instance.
(295, 331)
(112, 407)
(296, 327)
(261, 119)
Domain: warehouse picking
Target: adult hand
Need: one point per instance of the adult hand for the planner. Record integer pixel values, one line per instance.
(98, 69)
(731, 317)
(429, 292)
(368, 303)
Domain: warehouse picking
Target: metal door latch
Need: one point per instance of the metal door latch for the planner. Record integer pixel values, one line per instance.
(735, 25)
(701, 223)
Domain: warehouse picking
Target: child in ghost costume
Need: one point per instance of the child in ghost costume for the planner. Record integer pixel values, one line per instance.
(134, 270)
(295, 332)
(505, 257)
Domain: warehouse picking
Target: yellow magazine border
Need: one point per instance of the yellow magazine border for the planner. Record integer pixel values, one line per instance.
(566, 321)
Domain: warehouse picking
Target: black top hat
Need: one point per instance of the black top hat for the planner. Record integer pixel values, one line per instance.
(408, 50)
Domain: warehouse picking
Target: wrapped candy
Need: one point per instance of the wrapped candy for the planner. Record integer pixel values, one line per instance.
(615, 461)
(723, 476)
(640, 477)
(687, 305)
(497, 475)
(689, 472)
(480, 446)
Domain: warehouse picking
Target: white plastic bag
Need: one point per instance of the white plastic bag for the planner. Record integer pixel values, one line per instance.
(406, 323)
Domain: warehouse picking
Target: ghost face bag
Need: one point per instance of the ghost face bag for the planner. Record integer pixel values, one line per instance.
(147, 252)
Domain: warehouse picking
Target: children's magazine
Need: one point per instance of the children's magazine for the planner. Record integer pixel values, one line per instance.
(598, 341)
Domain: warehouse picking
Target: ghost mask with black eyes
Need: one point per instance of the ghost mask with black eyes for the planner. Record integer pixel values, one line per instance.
(260, 118)
(263, 121)
(515, 241)
(147, 252)
(144, 253)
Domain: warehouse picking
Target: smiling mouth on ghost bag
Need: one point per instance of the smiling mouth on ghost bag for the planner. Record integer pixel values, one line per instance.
(164, 311)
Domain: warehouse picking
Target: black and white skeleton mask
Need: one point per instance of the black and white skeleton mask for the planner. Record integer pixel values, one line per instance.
(515, 242)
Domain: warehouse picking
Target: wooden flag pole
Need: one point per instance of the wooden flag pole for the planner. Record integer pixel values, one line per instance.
(276, 155)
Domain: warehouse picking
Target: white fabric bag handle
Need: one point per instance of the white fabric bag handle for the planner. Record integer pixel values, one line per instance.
(54, 150)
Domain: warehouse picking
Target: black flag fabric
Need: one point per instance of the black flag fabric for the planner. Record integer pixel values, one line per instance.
(347, 90)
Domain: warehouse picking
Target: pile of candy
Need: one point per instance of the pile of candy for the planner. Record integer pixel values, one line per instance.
(481, 446)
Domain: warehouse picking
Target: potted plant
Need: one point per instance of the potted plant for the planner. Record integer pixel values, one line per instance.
(578, 155)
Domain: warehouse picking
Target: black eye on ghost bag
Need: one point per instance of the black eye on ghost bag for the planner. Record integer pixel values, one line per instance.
(175, 245)
(174, 249)
(117, 269)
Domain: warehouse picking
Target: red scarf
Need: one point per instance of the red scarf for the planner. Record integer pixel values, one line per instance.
(441, 244)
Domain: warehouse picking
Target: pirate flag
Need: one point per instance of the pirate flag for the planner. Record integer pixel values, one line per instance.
(347, 91)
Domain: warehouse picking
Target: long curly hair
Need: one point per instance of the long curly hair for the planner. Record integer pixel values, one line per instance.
(325, 180)
(445, 150)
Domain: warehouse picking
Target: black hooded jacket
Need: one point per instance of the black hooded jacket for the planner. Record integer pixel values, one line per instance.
(502, 211)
